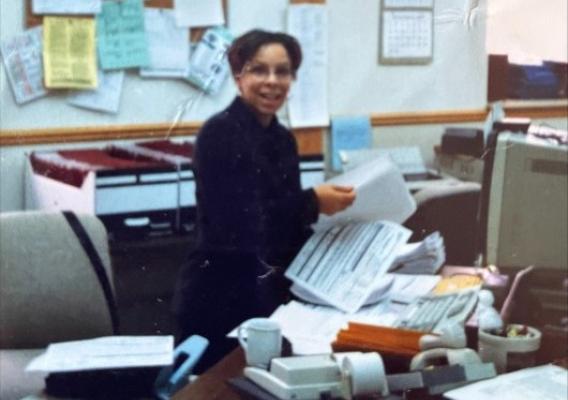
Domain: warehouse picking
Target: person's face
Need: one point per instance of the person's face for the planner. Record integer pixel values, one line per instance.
(265, 81)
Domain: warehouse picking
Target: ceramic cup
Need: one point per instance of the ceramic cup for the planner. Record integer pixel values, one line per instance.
(261, 339)
(509, 353)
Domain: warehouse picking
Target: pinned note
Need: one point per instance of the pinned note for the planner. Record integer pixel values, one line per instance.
(168, 45)
(66, 6)
(194, 13)
(348, 133)
(24, 65)
(69, 55)
(105, 98)
(122, 36)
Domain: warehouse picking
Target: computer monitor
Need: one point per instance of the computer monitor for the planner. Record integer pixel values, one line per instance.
(527, 209)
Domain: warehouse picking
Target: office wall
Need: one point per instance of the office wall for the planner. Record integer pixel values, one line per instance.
(357, 84)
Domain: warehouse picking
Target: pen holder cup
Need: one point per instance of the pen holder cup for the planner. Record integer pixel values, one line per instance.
(510, 353)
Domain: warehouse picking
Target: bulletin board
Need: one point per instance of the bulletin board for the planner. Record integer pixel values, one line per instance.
(454, 80)
(32, 20)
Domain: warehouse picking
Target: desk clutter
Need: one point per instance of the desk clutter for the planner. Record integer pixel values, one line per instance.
(411, 340)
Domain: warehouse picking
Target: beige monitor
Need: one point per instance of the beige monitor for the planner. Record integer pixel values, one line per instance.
(528, 209)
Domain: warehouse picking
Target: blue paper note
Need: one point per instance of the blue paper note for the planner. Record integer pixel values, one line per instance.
(348, 133)
(121, 35)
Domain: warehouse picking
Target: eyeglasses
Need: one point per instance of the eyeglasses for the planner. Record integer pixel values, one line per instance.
(262, 72)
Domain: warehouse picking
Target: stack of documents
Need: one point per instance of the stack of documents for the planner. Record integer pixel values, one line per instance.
(342, 265)
(425, 257)
(311, 328)
(105, 353)
(546, 382)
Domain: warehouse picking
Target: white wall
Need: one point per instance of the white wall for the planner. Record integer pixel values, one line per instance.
(357, 84)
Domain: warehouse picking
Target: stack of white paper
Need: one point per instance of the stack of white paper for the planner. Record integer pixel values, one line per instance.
(312, 328)
(381, 194)
(545, 382)
(425, 257)
(399, 287)
(105, 352)
(343, 264)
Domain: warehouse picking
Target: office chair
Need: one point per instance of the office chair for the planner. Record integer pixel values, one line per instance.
(451, 209)
(49, 292)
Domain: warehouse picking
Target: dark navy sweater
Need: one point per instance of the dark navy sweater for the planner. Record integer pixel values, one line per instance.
(249, 198)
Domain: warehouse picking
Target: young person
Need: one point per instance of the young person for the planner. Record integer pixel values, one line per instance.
(252, 214)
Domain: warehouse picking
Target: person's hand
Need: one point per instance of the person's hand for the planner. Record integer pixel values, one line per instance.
(334, 198)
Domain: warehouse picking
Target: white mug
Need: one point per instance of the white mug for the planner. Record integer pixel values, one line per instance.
(263, 341)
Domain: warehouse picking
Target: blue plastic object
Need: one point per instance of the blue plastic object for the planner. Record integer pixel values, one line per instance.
(174, 377)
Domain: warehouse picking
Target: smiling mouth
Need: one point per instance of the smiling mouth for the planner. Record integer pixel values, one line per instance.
(270, 97)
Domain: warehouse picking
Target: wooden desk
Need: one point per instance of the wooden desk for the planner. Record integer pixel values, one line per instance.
(212, 385)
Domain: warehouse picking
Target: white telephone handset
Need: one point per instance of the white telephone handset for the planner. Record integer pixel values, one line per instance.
(450, 356)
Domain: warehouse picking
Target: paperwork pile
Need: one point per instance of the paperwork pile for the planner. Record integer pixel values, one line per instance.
(545, 382)
(342, 265)
(118, 367)
(311, 328)
(104, 353)
(425, 257)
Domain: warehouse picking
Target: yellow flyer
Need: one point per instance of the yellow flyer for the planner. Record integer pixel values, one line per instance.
(69, 53)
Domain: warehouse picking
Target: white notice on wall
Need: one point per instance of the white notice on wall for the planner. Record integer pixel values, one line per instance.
(105, 98)
(409, 3)
(194, 13)
(168, 44)
(66, 6)
(22, 57)
(307, 105)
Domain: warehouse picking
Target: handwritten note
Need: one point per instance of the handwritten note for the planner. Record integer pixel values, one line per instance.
(121, 35)
(105, 98)
(24, 65)
(308, 97)
(168, 45)
(69, 55)
(66, 6)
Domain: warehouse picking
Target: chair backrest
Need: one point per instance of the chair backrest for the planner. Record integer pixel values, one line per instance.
(453, 211)
(49, 292)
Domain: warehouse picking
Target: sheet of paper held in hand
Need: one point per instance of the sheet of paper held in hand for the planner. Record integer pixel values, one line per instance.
(381, 195)
(105, 352)
(344, 263)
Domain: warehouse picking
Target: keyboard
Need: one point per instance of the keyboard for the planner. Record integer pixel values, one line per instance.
(428, 313)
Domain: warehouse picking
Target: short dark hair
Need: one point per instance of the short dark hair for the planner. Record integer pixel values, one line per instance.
(244, 48)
